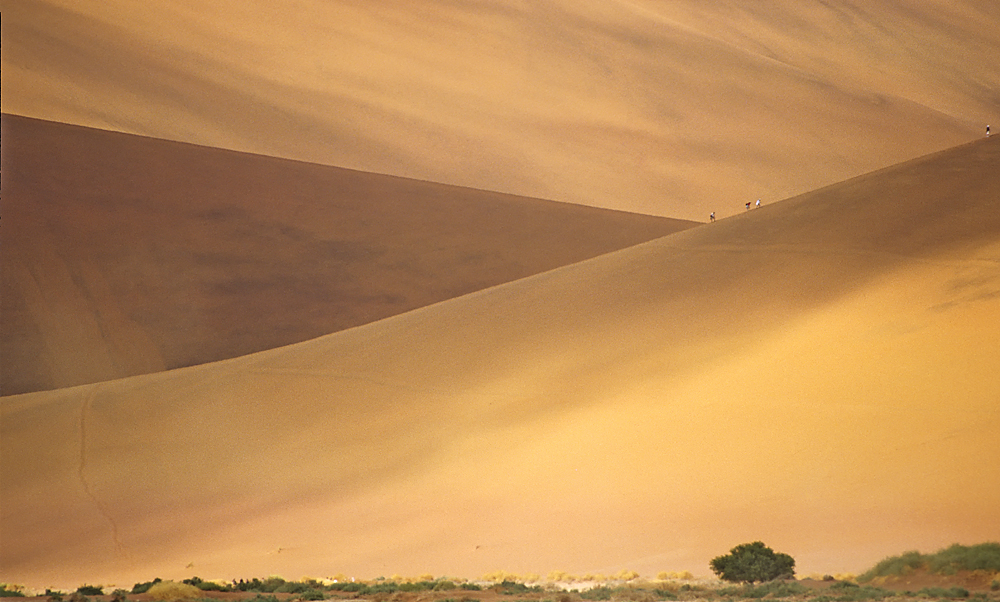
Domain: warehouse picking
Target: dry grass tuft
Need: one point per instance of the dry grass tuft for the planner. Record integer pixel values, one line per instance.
(171, 590)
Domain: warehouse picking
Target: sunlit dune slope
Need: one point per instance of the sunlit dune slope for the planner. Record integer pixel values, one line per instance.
(820, 374)
(671, 108)
(125, 255)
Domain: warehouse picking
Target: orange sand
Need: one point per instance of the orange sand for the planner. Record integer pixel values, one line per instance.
(674, 109)
(819, 374)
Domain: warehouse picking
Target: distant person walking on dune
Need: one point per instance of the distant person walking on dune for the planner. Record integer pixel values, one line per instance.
(748, 205)
(712, 217)
(758, 203)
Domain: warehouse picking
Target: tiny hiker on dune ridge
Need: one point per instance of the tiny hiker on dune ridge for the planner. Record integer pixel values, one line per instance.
(712, 217)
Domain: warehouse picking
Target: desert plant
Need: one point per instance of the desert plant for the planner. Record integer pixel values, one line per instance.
(600, 592)
(904, 564)
(142, 588)
(981, 557)
(942, 592)
(774, 589)
(119, 595)
(90, 590)
(171, 590)
(752, 562)
(10, 591)
(850, 592)
(677, 575)
(516, 588)
(54, 595)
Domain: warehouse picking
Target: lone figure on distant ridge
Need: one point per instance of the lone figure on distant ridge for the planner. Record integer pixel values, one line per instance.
(758, 203)
(712, 217)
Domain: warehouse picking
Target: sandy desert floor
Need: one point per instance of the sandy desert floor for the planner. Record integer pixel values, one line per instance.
(819, 373)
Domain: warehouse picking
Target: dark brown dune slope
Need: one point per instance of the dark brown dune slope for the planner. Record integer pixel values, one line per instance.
(125, 255)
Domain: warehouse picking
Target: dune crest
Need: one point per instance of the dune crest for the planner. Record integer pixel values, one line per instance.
(809, 374)
(674, 109)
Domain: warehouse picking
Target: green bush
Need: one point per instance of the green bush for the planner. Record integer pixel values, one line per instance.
(291, 587)
(172, 590)
(774, 589)
(854, 593)
(142, 588)
(417, 586)
(267, 586)
(753, 562)
(981, 557)
(90, 590)
(600, 592)
(10, 591)
(515, 588)
(941, 592)
(311, 594)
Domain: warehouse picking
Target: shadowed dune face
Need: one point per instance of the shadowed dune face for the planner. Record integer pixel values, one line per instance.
(127, 255)
(819, 374)
(669, 108)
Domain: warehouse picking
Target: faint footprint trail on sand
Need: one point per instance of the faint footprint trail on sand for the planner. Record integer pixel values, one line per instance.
(81, 471)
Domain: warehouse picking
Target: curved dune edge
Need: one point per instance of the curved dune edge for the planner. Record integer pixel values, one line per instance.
(125, 255)
(675, 109)
(819, 374)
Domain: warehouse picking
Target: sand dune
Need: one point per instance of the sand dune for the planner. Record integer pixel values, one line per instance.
(675, 109)
(819, 374)
(125, 255)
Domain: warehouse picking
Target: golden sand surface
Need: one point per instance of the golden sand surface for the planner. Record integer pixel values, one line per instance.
(669, 108)
(125, 255)
(819, 374)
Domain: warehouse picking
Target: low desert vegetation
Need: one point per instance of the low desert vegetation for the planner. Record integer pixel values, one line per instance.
(171, 590)
(10, 591)
(752, 563)
(982, 557)
(756, 571)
